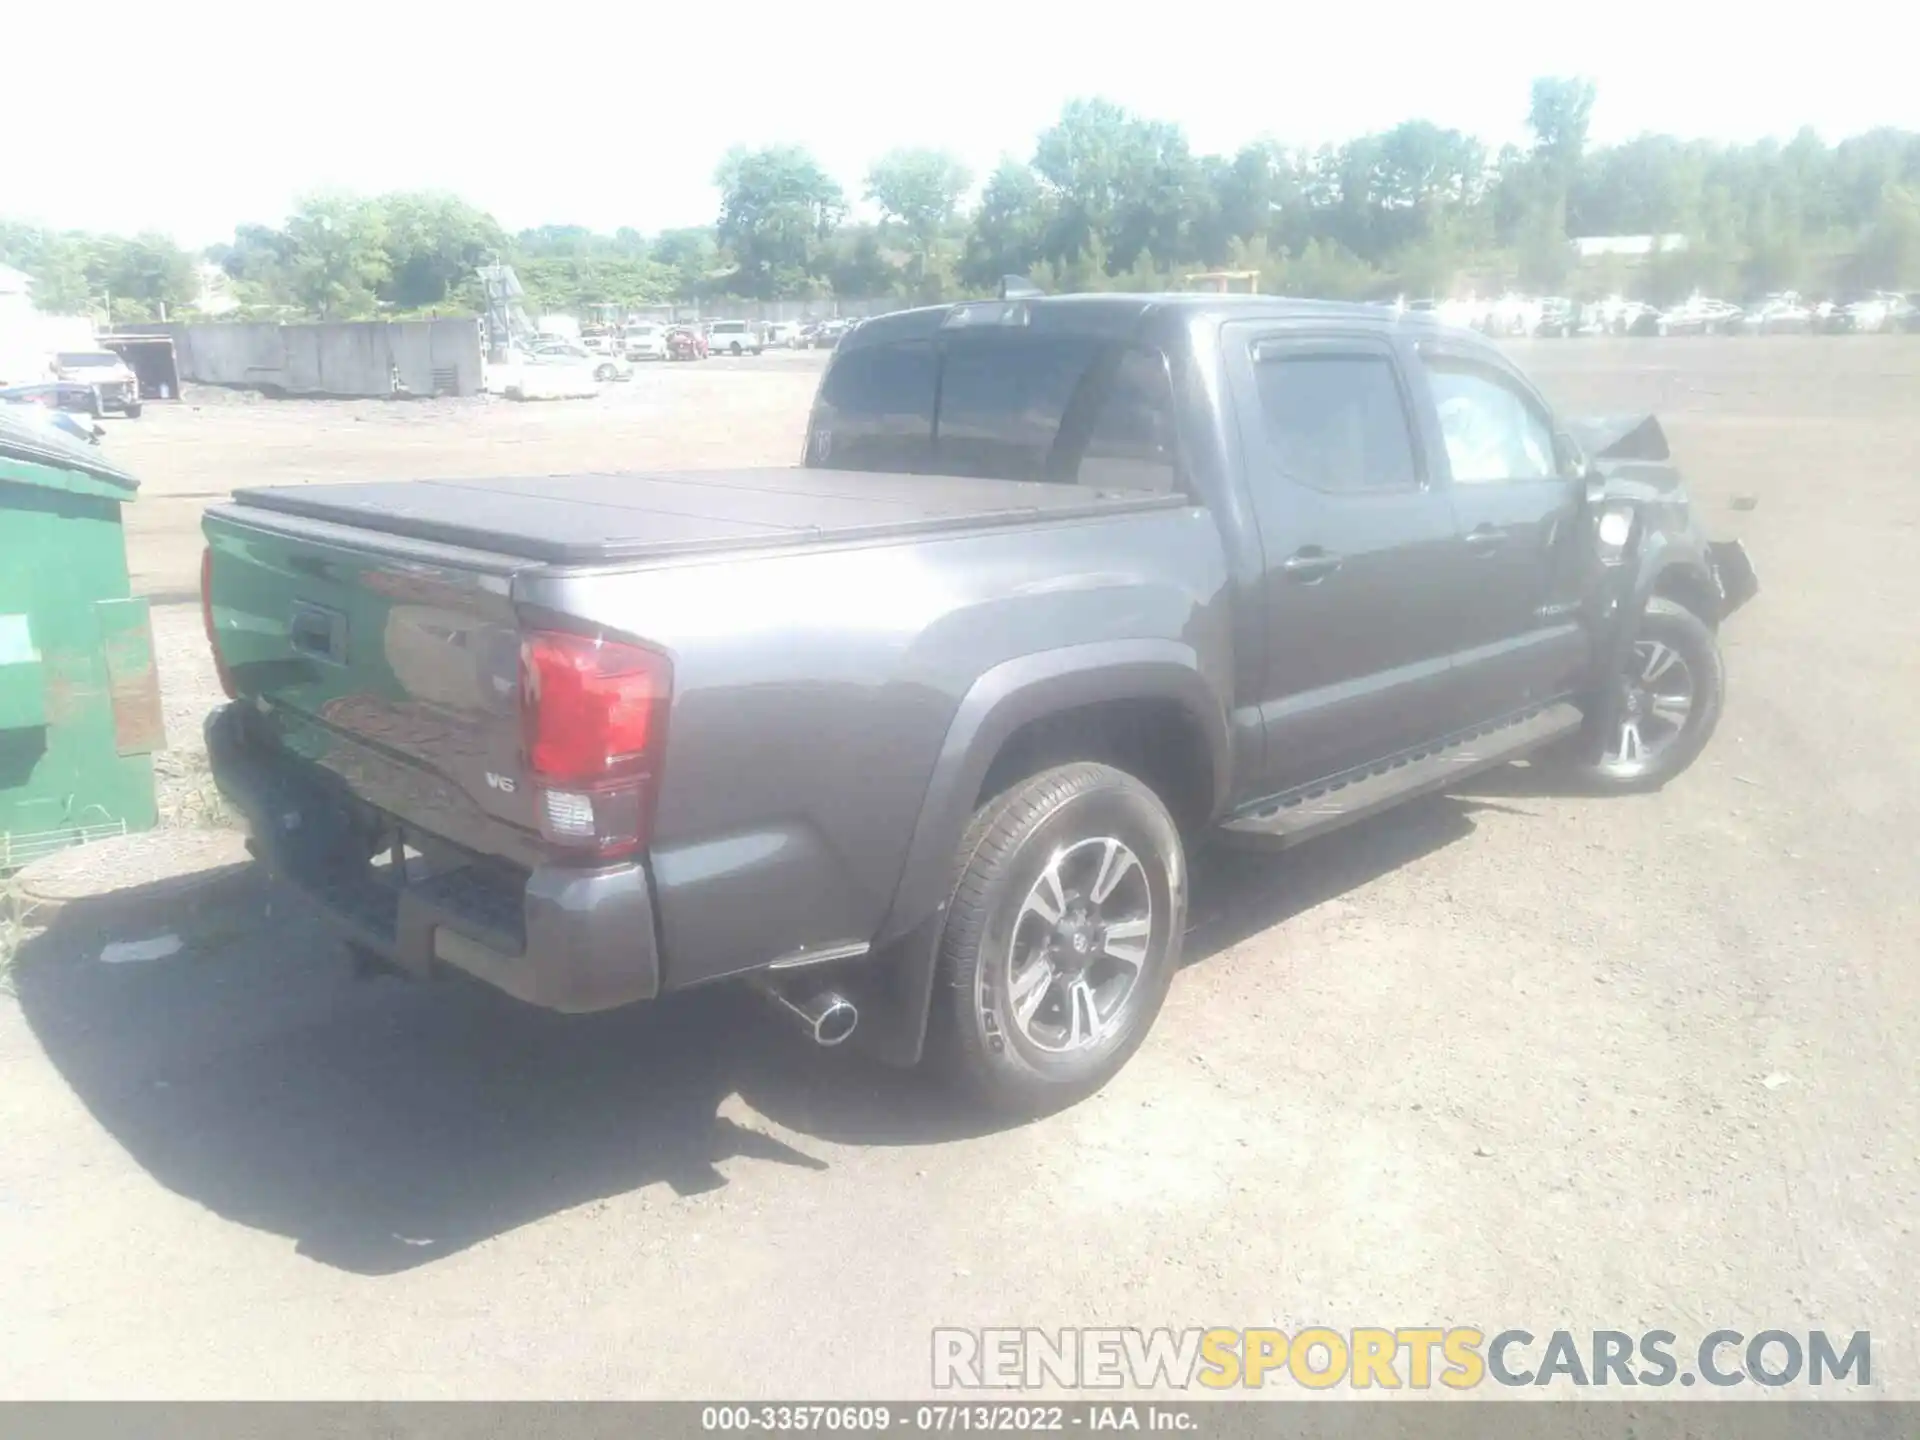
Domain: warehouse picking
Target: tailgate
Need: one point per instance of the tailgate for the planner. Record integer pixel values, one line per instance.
(392, 664)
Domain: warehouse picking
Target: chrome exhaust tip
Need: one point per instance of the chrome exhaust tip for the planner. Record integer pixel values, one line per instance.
(827, 1017)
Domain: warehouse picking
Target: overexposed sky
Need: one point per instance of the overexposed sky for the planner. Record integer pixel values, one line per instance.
(124, 115)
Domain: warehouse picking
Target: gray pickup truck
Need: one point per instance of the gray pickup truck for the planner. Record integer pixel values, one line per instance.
(916, 736)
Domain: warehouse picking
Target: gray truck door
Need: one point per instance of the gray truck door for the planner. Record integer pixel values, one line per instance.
(1363, 566)
(1516, 502)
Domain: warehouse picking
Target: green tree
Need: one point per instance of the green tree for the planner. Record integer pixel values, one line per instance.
(144, 278)
(1158, 184)
(1079, 160)
(777, 209)
(1009, 229)
(57, 265)
(1889, 257)
(691, 258)
(1545, 254)
(1239, 198)
(338, 256)
(1327, 270)
(919, 192)
(435, 243)
(1422, 175)
(855, 263)
(1559, 115)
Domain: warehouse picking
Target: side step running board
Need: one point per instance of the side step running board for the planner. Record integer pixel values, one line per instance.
(1329, 804)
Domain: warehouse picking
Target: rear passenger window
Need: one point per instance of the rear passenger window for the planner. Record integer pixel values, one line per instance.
(1065, 409)
(1337, 423)
(1002, 399)
(875, 410)
(1131, 446)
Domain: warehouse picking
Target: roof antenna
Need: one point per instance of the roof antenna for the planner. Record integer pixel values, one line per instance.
(1018, 287)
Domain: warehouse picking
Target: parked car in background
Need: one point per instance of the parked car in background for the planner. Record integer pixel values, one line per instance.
(686, 342)
(1699, 315)
(605, 367)
(1871, 313)
(779, 334)
(1639, 319)
(1512, 315)
(108, 376)
(735, 337)
(55, 405)
(646, 342)
(1564, 318)
(1782, 313)
(828, 333)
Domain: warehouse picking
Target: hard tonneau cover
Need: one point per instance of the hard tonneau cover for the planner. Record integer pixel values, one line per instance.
(593, 519)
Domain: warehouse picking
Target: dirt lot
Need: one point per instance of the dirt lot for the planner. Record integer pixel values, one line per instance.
(1504, 1057)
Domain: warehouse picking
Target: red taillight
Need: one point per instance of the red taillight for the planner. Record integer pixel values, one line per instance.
(206, 619)
(592, 711)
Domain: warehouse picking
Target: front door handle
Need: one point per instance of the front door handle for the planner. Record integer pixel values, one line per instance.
(1485, 539)
(1309, 565)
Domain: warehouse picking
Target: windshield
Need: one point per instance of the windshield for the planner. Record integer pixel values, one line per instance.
(86, 359)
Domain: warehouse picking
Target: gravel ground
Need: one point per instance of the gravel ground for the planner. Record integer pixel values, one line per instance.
(1503, 1057)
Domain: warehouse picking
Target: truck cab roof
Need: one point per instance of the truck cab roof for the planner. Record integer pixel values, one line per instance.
(1120, 315)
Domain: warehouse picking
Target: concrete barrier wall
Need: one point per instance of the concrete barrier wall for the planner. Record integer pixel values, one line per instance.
(411, 347)
(227, 354)
(351, 358)
(456, 351)
(437, 357)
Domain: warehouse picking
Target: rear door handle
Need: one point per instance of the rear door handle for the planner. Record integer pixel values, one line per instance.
(1309, 565)
(1485, 539)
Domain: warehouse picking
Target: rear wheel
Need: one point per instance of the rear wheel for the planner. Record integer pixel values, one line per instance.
(1062, 937)
(734, 349)
(133, 410)
(1669, 697)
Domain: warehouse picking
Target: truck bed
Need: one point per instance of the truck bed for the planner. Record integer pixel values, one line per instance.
(597, 519)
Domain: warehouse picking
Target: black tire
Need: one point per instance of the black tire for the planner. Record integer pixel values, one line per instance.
(1014, 838)
(604, 373)
(133, 410)
(1670, 624)
(734, 349)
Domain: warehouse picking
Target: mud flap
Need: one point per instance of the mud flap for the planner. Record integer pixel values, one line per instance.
(1733, 573)
(894, 993)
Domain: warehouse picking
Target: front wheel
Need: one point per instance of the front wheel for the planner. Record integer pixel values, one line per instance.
(133, 410)
(1062, 937)
(1669, 697)
(604, 374)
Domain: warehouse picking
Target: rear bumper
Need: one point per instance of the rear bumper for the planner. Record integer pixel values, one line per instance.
(554, 936)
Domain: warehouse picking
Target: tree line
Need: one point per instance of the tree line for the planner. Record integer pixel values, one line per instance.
(1109, 199)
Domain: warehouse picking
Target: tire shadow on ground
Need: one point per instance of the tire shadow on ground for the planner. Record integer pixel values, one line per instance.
(383, 1125)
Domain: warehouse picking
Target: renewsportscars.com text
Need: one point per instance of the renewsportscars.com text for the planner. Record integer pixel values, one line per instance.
(1415, 1358)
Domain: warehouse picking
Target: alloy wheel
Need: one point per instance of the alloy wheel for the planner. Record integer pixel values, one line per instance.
(1654, 706)
(1079, 944)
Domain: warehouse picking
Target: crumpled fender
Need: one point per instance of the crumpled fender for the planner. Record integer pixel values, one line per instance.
(1620, 437)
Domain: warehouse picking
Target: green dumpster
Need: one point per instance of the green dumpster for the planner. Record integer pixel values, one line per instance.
(80, 711)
